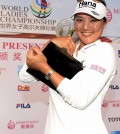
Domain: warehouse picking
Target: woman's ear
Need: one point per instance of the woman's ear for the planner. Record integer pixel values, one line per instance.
(105, 24)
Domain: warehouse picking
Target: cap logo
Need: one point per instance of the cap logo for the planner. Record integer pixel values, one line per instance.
(95, 13)
(87, 4)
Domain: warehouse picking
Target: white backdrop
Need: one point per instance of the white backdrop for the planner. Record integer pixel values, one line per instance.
(24, 105)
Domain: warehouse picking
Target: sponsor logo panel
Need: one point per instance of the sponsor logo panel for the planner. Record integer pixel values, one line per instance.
(22, 124)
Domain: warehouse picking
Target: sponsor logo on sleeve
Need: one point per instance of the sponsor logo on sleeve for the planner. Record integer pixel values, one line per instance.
(98, 68)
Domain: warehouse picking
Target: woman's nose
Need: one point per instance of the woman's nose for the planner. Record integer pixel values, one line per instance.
(86, 25)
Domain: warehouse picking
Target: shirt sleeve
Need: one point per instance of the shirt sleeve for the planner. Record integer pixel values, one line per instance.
(24, 76)
(87, 84)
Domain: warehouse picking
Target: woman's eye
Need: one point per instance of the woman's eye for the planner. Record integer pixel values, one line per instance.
(93, 20)
(78, 20)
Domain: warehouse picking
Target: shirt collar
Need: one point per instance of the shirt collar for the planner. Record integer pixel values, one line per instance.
(89, 46)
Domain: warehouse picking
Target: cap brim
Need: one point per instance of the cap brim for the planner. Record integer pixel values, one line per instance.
(90, 12)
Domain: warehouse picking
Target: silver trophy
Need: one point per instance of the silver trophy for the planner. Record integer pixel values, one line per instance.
(65, 27)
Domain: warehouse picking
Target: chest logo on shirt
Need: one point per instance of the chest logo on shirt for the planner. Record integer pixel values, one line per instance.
(98, 68)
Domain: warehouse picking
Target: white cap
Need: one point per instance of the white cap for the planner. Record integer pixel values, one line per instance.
(95, 9)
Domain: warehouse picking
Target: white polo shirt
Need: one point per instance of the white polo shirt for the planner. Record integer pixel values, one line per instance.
(76, 109)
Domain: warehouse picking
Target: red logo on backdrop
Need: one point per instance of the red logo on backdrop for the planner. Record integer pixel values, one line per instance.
(105, 104)
(113, 103)
(45, 88)
(11, 125)
(109, 15)
(23, 88)
(22, 124)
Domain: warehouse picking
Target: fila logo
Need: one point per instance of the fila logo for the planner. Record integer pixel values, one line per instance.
(22, 105)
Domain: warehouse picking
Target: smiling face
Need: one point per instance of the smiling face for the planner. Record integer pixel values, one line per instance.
(87, 28)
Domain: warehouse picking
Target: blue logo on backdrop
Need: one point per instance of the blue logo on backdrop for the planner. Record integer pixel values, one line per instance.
(115, 132)
(22, 105)
(114, 87)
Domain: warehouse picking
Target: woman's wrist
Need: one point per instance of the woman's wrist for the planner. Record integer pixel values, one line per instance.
(47, 76)
(46, 69)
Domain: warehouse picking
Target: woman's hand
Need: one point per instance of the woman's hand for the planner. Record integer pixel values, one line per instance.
(65, 42)
(36, 60)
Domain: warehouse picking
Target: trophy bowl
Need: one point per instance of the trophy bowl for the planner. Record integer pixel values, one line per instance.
(65, 27)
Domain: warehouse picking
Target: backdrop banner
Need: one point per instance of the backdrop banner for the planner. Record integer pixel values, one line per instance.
(24, 105)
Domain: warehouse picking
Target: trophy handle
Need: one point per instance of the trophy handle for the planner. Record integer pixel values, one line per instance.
(70, 31)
